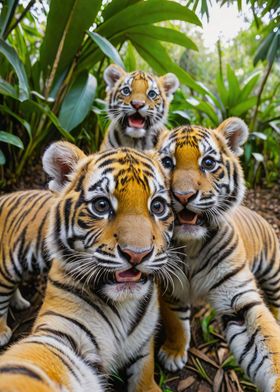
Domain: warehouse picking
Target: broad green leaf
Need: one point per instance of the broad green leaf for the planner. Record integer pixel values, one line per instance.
(46, 110)
(205, 108)
(182, 114)
(107, 48)
(250, 83)
(2, 158)
(145, 12)
(78, 101)
(222, 91)
(274, 47)
(7, 89)
(136, 14)
(263, 49)
(11, 55)
(9, 138)
(210, 94)
(130, 58)
(66, 25)
(243, 107)
(233, 87)
(114, 7)
(164, 34)
(21, 120)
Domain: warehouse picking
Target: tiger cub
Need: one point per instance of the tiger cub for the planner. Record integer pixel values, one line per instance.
(137, 106)
(230, 251)
(109, 227)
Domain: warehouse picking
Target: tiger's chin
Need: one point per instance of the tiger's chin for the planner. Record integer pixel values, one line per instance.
(135, 133)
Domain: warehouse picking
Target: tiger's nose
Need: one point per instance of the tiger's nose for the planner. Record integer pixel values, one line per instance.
(134, 256)
(137, 104)
(183, 198)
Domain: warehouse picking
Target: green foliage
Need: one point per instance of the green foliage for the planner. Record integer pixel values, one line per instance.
(52, 63)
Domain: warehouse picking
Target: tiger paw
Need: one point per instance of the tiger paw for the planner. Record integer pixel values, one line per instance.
(172, 360)
(5, 335)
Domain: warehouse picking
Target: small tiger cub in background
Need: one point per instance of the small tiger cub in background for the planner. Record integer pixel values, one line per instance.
(110, 224)
(137, 106)
(230, 251)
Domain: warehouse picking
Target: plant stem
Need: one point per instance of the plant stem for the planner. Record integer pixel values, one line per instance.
(27, 8)
(259, 95)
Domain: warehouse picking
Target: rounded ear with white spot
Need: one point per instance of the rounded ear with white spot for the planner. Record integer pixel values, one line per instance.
(236, 133)
(59, 161)
(112, 74)
(170, 84)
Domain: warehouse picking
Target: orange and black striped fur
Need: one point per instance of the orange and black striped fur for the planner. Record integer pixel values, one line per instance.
(23, 227)
(230, 252)
(109, 227)
(137, 106)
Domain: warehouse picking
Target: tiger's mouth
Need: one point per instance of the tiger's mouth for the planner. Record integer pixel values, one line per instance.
(136, 121)
(187, 217)
(129, 276)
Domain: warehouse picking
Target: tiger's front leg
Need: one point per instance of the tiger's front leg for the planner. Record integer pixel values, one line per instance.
(176, 321)
(251, 330)
(141, 372)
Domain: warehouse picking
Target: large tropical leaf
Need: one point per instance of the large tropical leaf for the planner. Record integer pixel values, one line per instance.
(66, 25)
(107, 48)
(233, 87)
(11, 55)
(205, 108)
(134, 14)
(7, 89)
(78, 101)
(250, 83)
(163, 34)
(268, 48)
(243, 107)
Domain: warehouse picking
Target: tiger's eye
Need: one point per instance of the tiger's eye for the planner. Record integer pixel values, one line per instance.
(167, 162)
(208, 163)
(152, 94)
(125, 91)
(158, 206)
(101, 205)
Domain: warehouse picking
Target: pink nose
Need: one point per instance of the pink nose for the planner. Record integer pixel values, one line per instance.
(134, 257)
(183, 198)
(137, 104)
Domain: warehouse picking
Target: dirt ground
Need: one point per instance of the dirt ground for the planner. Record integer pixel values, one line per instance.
(211, 366)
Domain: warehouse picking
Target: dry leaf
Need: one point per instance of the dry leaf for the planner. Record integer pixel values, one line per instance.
(184, 384)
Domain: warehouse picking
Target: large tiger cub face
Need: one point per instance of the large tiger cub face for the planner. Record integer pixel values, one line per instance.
(138, 101)
(112, 221)
(206, 176)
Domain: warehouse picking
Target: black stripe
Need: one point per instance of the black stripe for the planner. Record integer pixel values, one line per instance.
(75, 291)
(236, 334)
(22, 370)
(75, 322)
(248, 346)
(142, 309)
(259, 365)
(228, 276)
(253, 360)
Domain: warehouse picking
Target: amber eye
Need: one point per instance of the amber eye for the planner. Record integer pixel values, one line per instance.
(167, 162)
(152, 94)
(208, 163)
(125, 91)
(158, 206)
(101, 205)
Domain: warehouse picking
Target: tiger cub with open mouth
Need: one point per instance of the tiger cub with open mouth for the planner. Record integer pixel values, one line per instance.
(229, 251)
(138, 105)
(109, 226)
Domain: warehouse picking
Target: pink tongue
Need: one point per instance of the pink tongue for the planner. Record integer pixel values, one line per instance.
(130, 275)
(135, 122)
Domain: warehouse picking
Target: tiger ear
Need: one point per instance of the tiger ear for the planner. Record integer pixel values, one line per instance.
(236, 133)
(170, 84)
(59, 161)
(112, 74)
